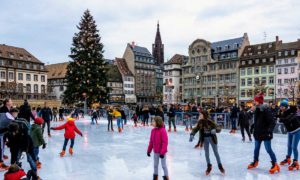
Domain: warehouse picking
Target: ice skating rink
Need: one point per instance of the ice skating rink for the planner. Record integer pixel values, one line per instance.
(102, 155)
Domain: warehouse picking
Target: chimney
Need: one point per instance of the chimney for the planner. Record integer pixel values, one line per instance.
(132, 44)
(277, 38)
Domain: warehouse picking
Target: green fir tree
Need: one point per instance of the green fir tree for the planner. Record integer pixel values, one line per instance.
(86, 73)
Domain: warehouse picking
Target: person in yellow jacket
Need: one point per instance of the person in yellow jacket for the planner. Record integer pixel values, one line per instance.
(117, 114)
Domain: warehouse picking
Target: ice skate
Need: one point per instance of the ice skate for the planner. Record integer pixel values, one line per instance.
(175, 130)
(3, 166)
(155, 177)
(119, 130)
(222, 170)
(253, 165)
(286, 161)
(295, 165)
(169, 130)
(166, 178)
(62, 154)
(208, 170)
(187, 129)
(71, 151)
(275, 167)
(38, 164)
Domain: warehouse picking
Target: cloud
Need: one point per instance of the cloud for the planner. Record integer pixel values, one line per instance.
(46, 27)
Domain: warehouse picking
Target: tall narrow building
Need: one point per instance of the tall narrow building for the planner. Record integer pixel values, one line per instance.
(158, 48)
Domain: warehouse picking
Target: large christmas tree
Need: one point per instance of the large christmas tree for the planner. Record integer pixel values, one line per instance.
(86, 76)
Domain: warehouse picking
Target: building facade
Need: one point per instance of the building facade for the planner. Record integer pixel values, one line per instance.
(128, 81)
(57, 82)
(22, 75)
(141, 63)
(287, 71)
(172, 90)
(257, 72)
(210, 76)
(115, 84)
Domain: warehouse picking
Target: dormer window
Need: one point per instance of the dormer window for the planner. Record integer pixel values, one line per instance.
(266, 51)
(256, 61)
(258, 52)
(264, 60)
(250, 61)
(11, 55)
(259, 47)
(285, 53)
(29, 58)
(270, 45)
(243, 62)
(0, 53)
(279, 53)
(250, 54)
(249, 48)
(21, 56)
(293, 52)
(245, 54)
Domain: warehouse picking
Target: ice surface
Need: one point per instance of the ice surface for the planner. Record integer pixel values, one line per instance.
(102, 155)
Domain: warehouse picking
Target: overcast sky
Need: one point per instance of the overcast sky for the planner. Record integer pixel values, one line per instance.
(46, 27)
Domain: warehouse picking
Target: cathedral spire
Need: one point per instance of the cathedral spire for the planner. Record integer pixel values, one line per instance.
(158, 48)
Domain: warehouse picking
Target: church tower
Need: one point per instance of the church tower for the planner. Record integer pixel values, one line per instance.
(158, 48)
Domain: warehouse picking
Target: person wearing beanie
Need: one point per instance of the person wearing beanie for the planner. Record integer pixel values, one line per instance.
(70, 129)
(263, 127)
(36, 134)
(291, 121)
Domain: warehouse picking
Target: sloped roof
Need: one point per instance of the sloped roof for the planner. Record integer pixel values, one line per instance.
(123, 67)
(17, 53)
(139, 50)
(57, 71)
(257, 50)
(291, 45)
(113, 73)
(176, 59)
(230, 42)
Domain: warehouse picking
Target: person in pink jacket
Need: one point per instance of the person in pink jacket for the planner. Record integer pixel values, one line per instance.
(159, 144)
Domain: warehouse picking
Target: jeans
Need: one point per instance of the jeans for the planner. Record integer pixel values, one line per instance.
(1, 148)
(163, 164)
(247, 128)
(207, 141)
(48, 126)
(268, 148)
(172, 120)
(293, 140)
(124, 121)
(30, 160)
(119, 122)
(66, 143)
(233, 123)
(36, 151)
(110, 123)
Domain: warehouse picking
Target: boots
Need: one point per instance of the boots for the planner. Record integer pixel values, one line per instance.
(3, 166)
(208, 170)
(62, 153)
(38, 164)
(250, 139)
(231, 131)
(155, 177)
(166, 178)
(71, 151)
(175, 129)
(254, 164)
(120, 130)
(274, 168)
(243, 139)
(222, 170)
(49, 135)
(286, 161)
(295, 165)
(169, 129)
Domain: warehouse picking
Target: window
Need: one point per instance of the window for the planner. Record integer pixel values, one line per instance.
(293, 60)
(61, 88)
(279, 71)
(263, 69)
(263, 80)
(271, 69)
(2, 75)
(243, 82)
(242, 72)
(286, 81)
(279, 53)
(243, 94)
(250, 61)
(10, 75)
(256, 61)
(271, 80)
(286, 53)
(292, 69)
(27, 66)
(20, 76)
(256, 70)
(43, 89)
(28, 88)
(43, 78)
(34, 66)
(35, 78)
(256, 80)
(249, 82)
(28, 77)
(20, 65)
(293, 52)
(264, 60)
(1, 62)
(279, 81)
(286, 61)
(271, 59)
(271, 92)
(279, 61)
(249, 71)
(243, 63)
(286, 70)
(36, 88)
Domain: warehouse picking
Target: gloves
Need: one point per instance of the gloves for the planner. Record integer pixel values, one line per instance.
(191, 138)
(162, 156)
(81, 134)
(148, 154)
(213, 131)
(44, 146)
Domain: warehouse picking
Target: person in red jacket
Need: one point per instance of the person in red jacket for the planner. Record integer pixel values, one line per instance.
(15, 173)
(70, 129)
(159, 144)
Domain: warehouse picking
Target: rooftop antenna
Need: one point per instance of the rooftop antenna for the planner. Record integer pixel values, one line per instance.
(265, 37)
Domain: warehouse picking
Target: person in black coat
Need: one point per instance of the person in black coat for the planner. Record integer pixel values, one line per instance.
(160, 113)
(7, 104)
(244, 122)
(263, 132)
(46, 114)
(25, 112)
(291, 121)
(233, 117)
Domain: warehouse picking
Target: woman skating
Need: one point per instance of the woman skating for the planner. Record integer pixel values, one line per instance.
(244, 122)
(159, 144)
(207, 134)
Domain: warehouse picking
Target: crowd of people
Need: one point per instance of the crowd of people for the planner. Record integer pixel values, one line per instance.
(22, 129)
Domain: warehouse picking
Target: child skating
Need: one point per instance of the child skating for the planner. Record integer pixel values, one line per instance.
(159, 144)
(70, 129)
(207, 135)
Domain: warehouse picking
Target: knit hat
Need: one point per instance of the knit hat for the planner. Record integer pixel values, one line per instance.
(284, 103)
(38, 121)
(70, 119)
(259, 98)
